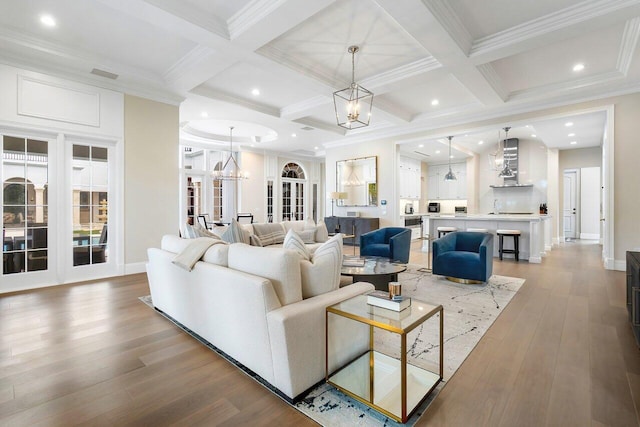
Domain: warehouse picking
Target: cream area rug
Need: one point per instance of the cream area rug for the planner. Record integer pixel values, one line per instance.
(469, 310)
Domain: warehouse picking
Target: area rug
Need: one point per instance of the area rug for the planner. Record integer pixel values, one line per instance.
(469, 310)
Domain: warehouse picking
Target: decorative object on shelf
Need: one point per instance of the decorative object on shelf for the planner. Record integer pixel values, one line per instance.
(381, 299)
(353, 104)
(230, 171)
(337, 195)
(450, 176)
(506, 171)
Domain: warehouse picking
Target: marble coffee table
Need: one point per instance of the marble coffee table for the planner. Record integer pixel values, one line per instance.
(376, 270)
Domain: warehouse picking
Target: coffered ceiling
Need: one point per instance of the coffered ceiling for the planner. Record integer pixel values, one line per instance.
(275, 63)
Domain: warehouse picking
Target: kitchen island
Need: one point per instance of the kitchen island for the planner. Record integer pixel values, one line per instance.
(535, 239)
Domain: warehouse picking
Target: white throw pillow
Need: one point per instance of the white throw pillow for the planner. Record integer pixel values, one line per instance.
(322, 234)
(235, 233)
(294, 242)
(189, 232)
(322, 273)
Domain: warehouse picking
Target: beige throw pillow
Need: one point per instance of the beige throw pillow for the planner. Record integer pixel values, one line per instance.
(235, 233)
(269, 233)
(322, 234)
(322, 273)
(293, 241)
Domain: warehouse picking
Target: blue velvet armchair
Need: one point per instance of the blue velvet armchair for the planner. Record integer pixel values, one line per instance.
(464, 256)
(388, 242)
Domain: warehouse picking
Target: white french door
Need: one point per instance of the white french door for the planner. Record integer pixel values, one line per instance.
(57, 210)
(570, 204)
(293, 199)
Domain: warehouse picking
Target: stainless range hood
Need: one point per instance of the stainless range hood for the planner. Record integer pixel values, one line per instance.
(511, 156)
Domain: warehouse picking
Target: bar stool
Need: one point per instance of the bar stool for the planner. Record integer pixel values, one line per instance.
(478, 230)
(516, 241)
(444, 230)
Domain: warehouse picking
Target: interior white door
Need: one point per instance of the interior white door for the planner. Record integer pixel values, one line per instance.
(569, 204)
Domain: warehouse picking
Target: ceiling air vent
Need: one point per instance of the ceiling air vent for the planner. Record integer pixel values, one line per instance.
(422, 154)
(103, 73)
(307, 128)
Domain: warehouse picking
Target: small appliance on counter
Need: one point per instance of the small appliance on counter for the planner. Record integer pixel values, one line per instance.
(408, 208)
(433, 207)
(460, 210)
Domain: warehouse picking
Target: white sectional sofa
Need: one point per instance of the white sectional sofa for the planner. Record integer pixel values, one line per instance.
(247, 301)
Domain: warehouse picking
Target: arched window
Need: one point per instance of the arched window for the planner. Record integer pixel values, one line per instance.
(293, 189)
(293, 170)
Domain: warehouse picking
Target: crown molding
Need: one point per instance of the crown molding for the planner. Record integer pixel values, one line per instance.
(193, 15)
(189, 61)
(317, 124)
(136, 88)
(402, 72)
(11, 36)
(296, 110)
(584, 11)
(451, 22)
(494, 80)
(628, 45)
(232, 99)
(563, 87)
(251, 14)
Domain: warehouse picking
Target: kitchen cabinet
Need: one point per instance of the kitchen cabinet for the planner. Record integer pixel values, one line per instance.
(439, 189)
(409, 178)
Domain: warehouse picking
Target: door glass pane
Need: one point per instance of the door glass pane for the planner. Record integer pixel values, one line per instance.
(90, 204)
(25, 168)
(286, 201)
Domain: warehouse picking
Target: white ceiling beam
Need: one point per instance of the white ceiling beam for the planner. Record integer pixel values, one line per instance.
(232, 99)
(436, 27)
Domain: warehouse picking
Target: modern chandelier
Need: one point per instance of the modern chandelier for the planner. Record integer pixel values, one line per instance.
(230, 171)
(353, 104)
(450, 176)
(506, 171)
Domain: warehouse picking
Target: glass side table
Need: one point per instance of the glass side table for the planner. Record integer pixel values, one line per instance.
(391, 385)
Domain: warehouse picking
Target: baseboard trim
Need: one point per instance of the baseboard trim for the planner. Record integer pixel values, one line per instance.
(135, 268)
(589, 236)
(619, 265)
(535, 260)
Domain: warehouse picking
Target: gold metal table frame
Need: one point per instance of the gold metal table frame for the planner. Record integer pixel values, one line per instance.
(381, 391)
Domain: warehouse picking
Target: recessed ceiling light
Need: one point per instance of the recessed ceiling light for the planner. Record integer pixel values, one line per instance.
(204, 114)
(480, 142)
(435, 102)
(293, 135)
(253, 145)
(451, 156)
(533, 135)
(568, 124)
(47, 20)
(437, 151)
(255, 92)
(573, 142)
(578, 67)
(420, 145)
(571, 134)
(315, 148)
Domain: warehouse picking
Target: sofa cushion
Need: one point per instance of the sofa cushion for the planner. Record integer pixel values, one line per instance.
(294, 242)
(322, 273)
(280, 266)
(296, 225)
(269, 233)
(235, 233)
(217, 254)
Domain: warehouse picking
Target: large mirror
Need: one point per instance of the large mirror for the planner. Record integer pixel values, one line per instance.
(356, 181)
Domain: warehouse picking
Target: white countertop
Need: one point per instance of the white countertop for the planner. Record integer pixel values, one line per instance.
(491, 217)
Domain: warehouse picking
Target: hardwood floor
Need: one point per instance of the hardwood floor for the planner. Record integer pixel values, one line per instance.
(561, 354)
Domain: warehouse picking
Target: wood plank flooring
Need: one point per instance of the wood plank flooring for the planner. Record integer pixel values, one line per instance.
(561, 354)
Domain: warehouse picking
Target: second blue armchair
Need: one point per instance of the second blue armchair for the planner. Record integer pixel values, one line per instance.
(463, 256)
(388, 242)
